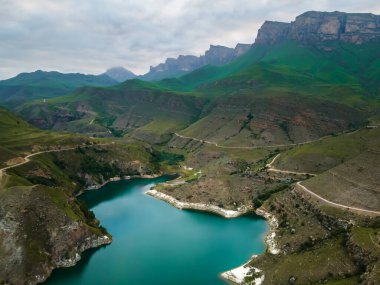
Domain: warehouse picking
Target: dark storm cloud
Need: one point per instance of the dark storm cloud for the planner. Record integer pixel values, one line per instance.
(89, 36)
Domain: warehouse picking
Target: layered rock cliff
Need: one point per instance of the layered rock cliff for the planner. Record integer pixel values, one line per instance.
(216, 55)
(313, 27)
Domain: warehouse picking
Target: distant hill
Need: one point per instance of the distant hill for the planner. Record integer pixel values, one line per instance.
(42, 85)
(174, 67)
(120, 74)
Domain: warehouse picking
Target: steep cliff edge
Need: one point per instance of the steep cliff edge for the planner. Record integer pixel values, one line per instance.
(313, 27)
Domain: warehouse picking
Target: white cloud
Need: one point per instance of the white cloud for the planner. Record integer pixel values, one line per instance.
(91, 35)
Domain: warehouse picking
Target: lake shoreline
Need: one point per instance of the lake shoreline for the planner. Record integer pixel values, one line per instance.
(199, 206)
(115, 179)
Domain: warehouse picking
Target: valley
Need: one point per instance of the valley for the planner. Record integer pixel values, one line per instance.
(286, 128)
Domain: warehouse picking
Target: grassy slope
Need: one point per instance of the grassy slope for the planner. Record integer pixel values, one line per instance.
(289, 64)
(322, 155)
(347, 166)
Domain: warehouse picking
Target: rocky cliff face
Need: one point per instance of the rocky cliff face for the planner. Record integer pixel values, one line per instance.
(182, 63)
(216, 55)
(272, 32)
(312, 27)
(220, 55)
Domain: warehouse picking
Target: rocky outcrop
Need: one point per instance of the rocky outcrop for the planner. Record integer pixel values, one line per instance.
(313, 27)
(181, 63)
(37, 236)
(270, 238)
(272, 32)
(241, 49)
(89, 242)
(216, 55)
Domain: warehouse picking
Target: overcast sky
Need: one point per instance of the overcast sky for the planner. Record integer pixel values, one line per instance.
(89, 36)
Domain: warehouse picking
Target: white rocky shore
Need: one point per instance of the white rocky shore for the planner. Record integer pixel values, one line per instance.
(239, 274)
(270, 238)
(257, 276)
(198, 206)
(245, 274)
(90, 242)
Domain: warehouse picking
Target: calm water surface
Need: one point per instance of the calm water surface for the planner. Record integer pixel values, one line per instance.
(154, 243)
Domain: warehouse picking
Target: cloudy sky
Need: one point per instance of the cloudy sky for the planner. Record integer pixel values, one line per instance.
(89, 36)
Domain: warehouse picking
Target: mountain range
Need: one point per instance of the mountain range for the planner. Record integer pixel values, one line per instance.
(284, 89)
(286, 127)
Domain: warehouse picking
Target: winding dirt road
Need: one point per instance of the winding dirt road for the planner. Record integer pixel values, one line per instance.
(305, 189)
(272, 169)
(247, 147)
(27, 158)
(333, 203)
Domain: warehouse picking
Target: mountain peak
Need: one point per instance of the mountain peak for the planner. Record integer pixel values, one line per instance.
(119, 73)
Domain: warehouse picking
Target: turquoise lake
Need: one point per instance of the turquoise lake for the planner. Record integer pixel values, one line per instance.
(155, 243)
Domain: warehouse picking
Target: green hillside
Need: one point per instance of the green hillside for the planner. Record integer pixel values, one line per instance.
(143, 110)
(284, 93)
(42, 85)
(290, 64)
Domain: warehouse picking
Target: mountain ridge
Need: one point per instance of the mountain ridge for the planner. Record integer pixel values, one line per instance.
(216, 55)
(312, 27)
